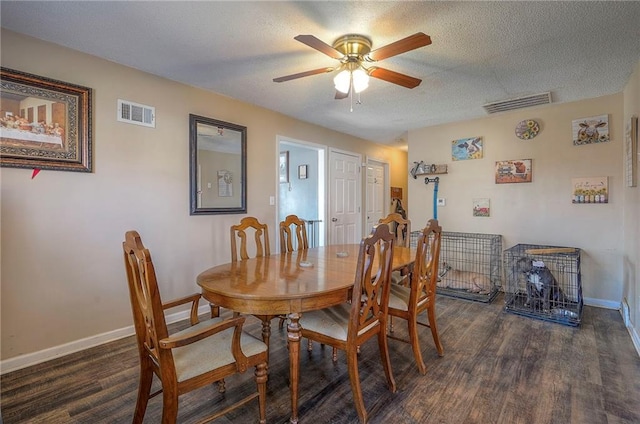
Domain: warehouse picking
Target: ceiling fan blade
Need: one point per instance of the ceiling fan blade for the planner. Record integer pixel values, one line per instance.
(340, 95)
(394, 77)
(319, 45)
(412, 42)
(303, 74)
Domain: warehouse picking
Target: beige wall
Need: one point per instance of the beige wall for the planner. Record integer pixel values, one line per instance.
(631, 216)
(539, 212)
(62, 270)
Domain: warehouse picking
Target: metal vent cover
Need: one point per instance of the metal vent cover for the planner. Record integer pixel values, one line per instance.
(134, 113)
(518, 103)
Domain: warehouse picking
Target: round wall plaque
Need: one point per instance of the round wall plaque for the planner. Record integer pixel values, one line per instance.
(527, 129)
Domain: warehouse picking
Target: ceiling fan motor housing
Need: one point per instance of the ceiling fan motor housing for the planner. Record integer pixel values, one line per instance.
(353, 46)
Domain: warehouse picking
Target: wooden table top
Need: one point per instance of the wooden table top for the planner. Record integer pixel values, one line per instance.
(291, 282)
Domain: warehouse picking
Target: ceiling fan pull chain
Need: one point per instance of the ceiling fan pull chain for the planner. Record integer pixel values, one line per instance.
(351, 92)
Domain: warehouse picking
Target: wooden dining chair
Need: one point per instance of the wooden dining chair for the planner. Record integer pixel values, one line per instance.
(290, 226)
(260, 234)
(202, 354)
(401, 227)
(349, 325)
(409, 302)
(292, 222)
(250, 227)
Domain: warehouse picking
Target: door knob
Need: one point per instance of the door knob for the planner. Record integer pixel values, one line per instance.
(334, 219)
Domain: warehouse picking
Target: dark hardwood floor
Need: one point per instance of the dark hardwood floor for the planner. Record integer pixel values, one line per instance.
(497, 368)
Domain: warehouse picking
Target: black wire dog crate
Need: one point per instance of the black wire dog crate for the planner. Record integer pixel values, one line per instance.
(470, 265)
(544, 282)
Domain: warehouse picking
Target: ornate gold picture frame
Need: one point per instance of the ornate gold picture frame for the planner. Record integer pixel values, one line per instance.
(44, 123)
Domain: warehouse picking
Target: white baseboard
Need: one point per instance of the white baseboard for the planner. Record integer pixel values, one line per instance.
(23, 361)
(600, 303)
(635, 337)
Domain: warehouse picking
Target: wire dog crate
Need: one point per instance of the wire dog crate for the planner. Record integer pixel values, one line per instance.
(470, 265)
(544, 282)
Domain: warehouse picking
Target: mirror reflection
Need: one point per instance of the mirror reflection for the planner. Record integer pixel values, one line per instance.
(217, 166)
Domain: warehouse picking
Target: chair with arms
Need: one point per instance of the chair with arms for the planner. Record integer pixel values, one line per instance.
(349, 325)
(401, 227)
(409, 302)
(204, 353)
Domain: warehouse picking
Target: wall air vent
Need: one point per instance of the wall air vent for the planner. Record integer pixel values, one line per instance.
(134, 113)
(518, 103)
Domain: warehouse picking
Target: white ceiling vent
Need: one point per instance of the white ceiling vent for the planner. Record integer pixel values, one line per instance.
(134, 113)
(518, 103)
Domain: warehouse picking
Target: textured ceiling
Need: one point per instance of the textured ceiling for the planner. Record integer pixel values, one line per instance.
(481, 52)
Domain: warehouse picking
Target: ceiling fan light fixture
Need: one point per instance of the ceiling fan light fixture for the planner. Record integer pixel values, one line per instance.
(342, 81)
(360, 80)
(358, 77)
(351, 51)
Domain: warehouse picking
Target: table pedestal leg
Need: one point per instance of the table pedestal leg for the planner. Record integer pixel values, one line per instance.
(266, 329)
(293, 336)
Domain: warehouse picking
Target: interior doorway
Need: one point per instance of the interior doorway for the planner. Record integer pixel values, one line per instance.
(301, 188)
(345, 214)
(377, 196)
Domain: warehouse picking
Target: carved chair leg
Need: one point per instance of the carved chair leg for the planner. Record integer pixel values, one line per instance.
(144, 389)
(386, 361)
(431, 313)
(415, 345)
(169, 406)
(354, 379)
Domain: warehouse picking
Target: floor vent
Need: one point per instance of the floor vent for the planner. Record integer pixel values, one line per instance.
(134, 113)
(519, 103)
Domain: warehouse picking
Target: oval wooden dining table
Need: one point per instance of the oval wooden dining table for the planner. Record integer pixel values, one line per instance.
(289, 283)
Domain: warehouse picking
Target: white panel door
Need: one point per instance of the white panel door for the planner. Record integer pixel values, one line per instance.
(344, 198)
(375, 195)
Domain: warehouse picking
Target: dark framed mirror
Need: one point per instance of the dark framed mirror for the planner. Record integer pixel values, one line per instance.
(217, 166)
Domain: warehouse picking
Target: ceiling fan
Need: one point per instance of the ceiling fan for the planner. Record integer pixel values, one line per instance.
(353, 50)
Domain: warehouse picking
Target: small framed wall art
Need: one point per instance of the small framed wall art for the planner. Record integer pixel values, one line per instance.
(590, 190)
(302, 172)
(513, 171)
(481, 207)
(466, 148)
(594, 129)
